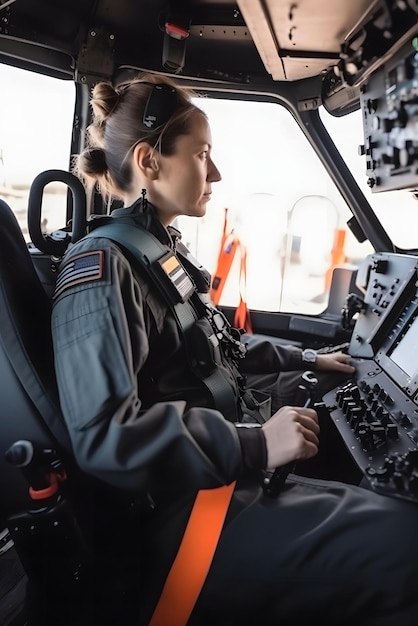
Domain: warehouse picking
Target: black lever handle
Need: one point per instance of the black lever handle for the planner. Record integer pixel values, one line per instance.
(274, 484)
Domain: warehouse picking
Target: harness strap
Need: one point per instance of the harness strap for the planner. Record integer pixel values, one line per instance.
(148, 250)
(194, 557)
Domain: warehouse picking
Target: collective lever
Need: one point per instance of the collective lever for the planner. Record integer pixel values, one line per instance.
(272, 485)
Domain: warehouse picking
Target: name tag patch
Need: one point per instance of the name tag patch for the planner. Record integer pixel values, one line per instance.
(83, 268)
(177, 275)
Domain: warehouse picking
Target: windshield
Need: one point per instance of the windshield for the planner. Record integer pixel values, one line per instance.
(394, 209)
(282, 205)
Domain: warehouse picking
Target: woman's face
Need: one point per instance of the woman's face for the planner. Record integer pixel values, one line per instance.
(184, 182)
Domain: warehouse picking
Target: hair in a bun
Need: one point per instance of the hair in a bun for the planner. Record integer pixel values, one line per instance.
(117, 128)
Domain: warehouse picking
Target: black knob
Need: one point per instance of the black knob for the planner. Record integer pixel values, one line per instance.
(392, 431)
(24, 455)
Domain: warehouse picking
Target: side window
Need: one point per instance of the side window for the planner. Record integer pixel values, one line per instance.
(36, 117)
(280, 202)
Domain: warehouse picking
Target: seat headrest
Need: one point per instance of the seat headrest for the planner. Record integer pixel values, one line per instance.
(45, 243)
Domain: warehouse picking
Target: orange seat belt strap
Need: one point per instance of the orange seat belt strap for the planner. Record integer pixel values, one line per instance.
(229, 244)
(194, 557)
(225, 260)
(242, 317)
(337, 255)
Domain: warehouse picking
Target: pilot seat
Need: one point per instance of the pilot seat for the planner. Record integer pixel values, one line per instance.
(77, 538)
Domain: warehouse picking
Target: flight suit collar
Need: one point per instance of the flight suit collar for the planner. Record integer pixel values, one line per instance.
(147, 218)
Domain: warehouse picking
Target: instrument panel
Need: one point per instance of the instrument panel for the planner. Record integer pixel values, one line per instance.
(376, 412)
(390, 110)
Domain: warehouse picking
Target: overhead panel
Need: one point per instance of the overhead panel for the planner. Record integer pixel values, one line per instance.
(301, 39)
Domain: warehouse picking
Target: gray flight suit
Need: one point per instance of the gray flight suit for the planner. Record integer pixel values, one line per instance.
(140, 420)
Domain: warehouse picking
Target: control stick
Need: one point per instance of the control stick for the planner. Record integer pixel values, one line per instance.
(273, 485)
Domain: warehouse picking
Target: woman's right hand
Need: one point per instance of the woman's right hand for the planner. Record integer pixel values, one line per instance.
(291, 435)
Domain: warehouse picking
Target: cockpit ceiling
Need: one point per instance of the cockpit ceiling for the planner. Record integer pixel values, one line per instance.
(250, 42)
(303, 38)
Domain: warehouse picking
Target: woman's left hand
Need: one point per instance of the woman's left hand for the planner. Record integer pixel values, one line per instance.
(337, 361)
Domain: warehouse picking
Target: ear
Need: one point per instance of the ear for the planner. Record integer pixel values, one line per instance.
(146, 160)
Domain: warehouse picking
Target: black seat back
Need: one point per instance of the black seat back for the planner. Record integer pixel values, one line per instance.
(80, 545)
(28, 394)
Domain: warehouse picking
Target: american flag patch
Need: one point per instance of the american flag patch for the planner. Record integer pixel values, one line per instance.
(79, 269)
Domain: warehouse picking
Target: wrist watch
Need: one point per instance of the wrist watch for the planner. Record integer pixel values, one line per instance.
(309, 355)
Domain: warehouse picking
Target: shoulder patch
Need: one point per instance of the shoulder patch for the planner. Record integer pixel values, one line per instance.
(82, 268)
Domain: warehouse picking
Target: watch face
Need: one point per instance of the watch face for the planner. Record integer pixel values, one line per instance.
(309, 356)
